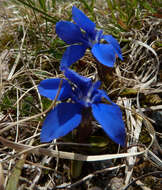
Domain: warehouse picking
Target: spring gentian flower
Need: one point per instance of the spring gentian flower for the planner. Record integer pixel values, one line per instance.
(83, 35)
(81, 93)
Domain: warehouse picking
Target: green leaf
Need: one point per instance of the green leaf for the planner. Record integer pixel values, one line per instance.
(15, 175)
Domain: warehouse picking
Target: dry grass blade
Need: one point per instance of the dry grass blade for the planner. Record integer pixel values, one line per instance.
(17, 59)
(1, 178)
(142, 186)
(134, 124)
(89, 177)
(142, 65)
(154, 159)
(4, 68)
(149, 76)
(65, 155)
(4, 59)
(35, 116)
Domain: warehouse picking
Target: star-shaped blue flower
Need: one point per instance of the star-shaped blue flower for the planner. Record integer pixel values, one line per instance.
(83, 35)
(81, 93)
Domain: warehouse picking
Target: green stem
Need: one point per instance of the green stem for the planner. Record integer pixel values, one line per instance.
(76, 168)
(83, 132)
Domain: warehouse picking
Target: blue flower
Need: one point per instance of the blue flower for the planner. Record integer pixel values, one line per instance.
(83, 35)
(81, 93)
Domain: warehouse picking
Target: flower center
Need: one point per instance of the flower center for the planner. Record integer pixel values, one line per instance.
(87, 97)
(94, 38)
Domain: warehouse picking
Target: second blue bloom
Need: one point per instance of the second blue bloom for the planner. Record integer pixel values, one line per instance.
(82, 35)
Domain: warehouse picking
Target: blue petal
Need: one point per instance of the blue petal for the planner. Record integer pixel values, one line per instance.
(95, 93)
(110, 118)
(69, 32)
(104, 95)
(96, 97)
(72, 54)
(115, 45)
(82, 20)
(60, 121)
(49, 88)
(96, 85)
(80, 81)
(104, 53)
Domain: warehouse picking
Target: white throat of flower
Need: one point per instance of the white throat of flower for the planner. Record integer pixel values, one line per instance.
(97, 39)
(88, 98)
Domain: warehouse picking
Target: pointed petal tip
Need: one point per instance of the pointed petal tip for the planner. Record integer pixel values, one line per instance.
(74, 8)
(82, 20)
(111, 40)
(121, 57)
(120, 139)
(79, 80)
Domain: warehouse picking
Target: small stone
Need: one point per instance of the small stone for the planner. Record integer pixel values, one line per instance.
(115, 183)
(95, 188)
